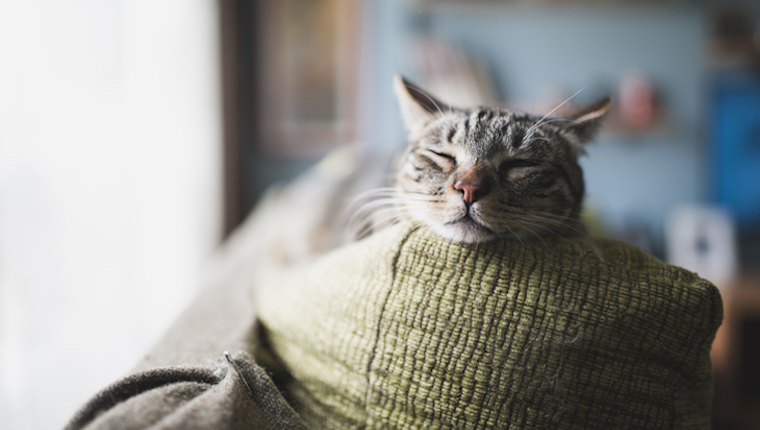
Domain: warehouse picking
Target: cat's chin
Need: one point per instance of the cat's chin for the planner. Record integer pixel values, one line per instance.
(465, 230)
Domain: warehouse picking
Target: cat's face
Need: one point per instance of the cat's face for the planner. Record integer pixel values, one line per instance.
(476, 174)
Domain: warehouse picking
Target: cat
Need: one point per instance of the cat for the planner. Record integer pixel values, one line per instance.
(477, 174)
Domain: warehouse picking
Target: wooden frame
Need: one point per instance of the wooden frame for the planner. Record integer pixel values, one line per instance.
(229, 35)
(309, 76)
(289, 89)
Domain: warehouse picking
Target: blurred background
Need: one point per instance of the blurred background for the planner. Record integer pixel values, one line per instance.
(135, 135)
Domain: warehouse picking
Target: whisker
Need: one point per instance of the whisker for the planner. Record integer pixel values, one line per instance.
(366, 215)
(367, 209)
(511, 232)
(381, 223)
(547, 225)
(541, 121)
(374, 192)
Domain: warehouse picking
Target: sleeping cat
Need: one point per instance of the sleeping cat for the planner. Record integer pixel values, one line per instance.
(476, 174)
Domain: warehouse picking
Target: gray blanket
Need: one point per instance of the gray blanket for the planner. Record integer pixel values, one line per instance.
(187, 381)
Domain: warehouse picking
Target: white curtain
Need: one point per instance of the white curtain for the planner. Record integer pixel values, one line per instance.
(110, 199)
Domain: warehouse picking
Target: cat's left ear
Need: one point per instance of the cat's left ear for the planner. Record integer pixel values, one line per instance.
(586, 121)
(417, 106)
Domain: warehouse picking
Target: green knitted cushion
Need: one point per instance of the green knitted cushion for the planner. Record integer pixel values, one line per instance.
(407, 330)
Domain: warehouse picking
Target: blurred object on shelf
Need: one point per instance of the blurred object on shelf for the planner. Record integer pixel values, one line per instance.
(734, 38)
(637, 104)
(703, 239)
(453, 76)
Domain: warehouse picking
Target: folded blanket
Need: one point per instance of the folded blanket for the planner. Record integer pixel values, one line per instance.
(408, 330)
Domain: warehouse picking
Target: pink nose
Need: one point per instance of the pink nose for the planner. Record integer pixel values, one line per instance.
(471, 191)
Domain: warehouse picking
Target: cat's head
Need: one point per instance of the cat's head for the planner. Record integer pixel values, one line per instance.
(480, 173)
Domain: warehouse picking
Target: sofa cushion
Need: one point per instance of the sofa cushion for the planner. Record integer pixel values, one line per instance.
(407, 330)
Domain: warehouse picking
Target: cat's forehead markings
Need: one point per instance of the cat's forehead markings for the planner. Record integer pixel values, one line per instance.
(463, 156)
(431, 133)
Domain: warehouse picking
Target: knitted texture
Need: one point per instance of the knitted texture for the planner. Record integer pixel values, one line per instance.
(407, 330)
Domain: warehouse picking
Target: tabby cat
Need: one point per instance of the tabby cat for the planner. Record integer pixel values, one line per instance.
(473, 175)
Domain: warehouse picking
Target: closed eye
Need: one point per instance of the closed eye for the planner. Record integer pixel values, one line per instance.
(443, 156)
(440, 154)
(517, 164)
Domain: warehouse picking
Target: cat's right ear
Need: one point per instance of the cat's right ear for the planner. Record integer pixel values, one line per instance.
(417, 106)
(586, 121)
